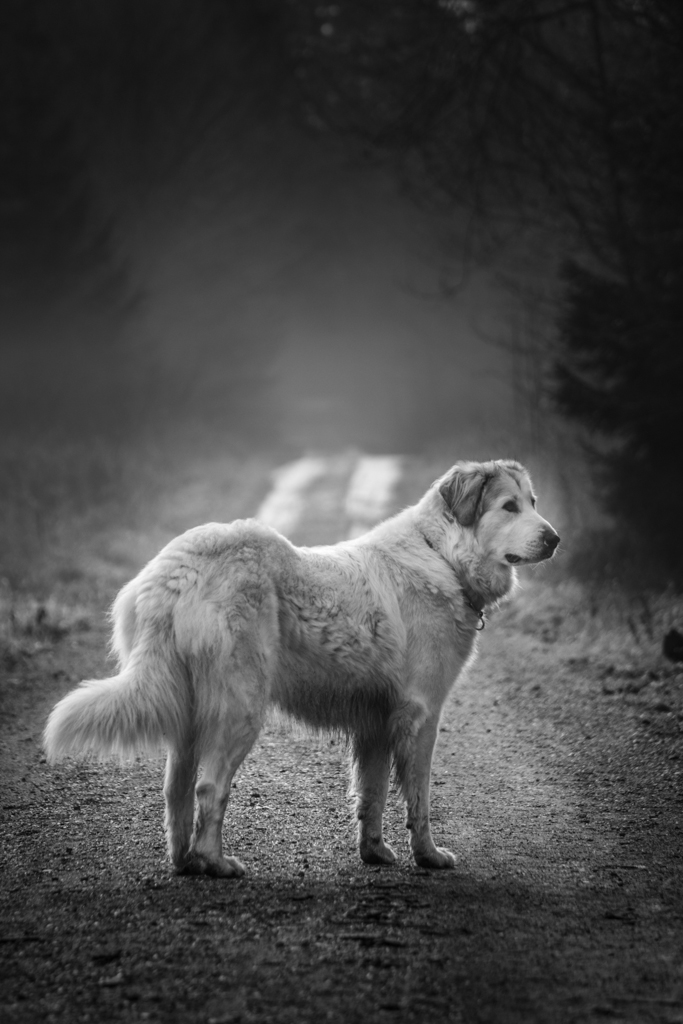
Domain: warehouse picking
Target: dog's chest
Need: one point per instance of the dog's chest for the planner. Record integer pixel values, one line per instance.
(440, 630)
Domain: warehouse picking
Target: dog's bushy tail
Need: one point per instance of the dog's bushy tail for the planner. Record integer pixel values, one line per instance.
(142, 707)
(121, 715)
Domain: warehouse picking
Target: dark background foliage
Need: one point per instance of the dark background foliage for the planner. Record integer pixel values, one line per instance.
(539, 118)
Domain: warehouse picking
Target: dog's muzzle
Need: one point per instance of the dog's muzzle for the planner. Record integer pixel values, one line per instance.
(545, 548)
(550, 540)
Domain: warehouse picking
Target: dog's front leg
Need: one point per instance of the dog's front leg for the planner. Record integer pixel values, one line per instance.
(413, 763)
(371, 765)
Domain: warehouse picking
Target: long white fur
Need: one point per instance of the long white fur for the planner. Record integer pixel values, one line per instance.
(366, 636)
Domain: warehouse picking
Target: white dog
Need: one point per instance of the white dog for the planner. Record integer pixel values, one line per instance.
(366, 637)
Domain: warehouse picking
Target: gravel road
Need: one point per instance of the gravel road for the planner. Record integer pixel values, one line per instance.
(556, 782)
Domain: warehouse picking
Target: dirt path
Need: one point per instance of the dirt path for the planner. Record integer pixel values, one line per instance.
(556, 782)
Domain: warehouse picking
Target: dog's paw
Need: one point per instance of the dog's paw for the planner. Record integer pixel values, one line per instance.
(215, 867)
(437, 857)
(376, 851)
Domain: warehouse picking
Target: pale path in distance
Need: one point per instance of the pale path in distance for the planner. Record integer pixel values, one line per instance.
(371, 489)
(297, 486)
(283, 505)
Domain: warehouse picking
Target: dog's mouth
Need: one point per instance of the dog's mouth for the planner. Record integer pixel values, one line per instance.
(533, 557)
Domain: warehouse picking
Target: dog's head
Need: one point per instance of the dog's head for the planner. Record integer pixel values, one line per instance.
(496, 501)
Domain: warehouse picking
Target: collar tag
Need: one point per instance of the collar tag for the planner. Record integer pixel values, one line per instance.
(480, 613)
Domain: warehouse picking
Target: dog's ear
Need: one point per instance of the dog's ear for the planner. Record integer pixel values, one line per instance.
(463, 491)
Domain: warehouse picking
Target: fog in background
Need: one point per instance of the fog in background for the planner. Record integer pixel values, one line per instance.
(186, 245)
(312, 311)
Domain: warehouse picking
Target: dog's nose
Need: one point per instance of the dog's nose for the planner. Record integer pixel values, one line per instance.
(551, 540)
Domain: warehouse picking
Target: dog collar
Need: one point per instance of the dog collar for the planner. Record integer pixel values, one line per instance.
(472, 600)
(477, 606)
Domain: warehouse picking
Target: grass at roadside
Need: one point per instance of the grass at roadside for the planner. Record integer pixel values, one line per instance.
(608, 624)
(79, 517)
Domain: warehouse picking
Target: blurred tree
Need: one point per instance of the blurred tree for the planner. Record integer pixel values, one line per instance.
(562, 116)
(118, 99)
(50, 228)
(114, 115)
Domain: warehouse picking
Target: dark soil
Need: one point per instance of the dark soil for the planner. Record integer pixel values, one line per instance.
(558, 789)
(556, 782)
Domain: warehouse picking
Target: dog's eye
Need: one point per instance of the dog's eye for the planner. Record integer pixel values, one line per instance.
(533, 502)
(510, 506)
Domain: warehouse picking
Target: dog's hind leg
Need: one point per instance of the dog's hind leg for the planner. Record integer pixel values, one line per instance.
(415, 737)
(181, 776)
(232, 689)
(232, 739)
(371, 765)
